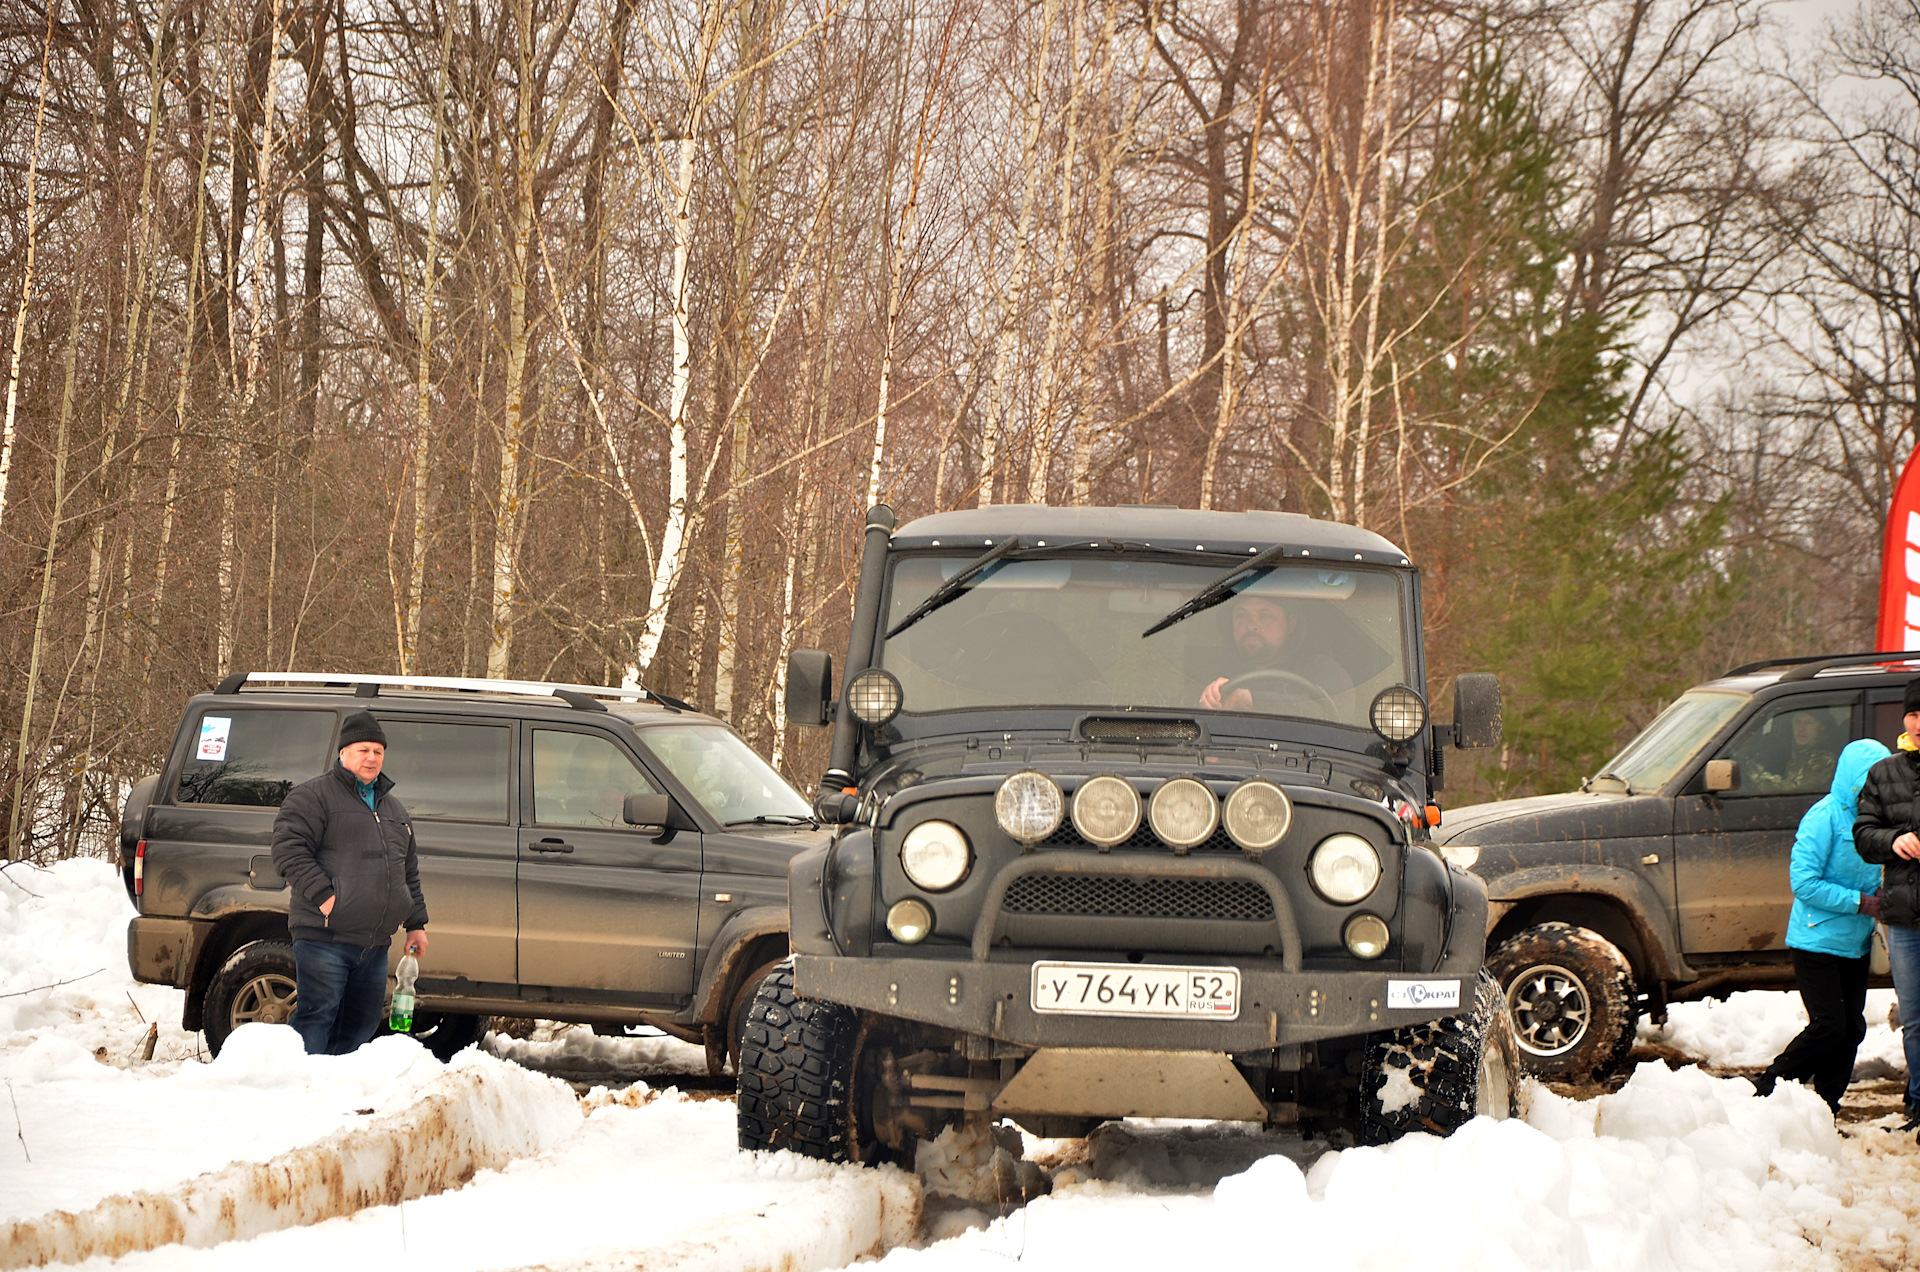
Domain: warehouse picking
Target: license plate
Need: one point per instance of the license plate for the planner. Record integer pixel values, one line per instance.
(1133, 989)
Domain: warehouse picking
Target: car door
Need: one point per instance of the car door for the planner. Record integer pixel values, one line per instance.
(608, 912)
(1731, 848)
(455, 778)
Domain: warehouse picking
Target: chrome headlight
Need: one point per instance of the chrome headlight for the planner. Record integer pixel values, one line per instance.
(1106, 811)
(936, 855)
(1398, 714)
(875, 697)
(1257, 815)
(1183, 812)
(1366, 936)
(1029, 806)
(1344, 869)
(909, 922)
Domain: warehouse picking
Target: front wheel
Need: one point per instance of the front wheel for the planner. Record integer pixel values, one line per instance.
(1438, 1076)
(1571, 994)
(796, 1072)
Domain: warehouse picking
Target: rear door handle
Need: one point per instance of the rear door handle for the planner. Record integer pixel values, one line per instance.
(550, 845)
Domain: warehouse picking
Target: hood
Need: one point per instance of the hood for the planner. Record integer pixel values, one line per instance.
(1850, 774)
(1545, 819)
(1464, 823)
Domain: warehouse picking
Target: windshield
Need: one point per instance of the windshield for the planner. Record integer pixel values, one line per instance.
(1295, 640)
(1675, 735)
(726, 775)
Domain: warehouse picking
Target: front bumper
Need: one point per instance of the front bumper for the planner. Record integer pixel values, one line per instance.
(1277, 1008)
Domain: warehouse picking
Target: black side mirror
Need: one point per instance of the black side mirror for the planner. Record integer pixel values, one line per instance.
(809, 687)
(1476, 710)
(648, 810)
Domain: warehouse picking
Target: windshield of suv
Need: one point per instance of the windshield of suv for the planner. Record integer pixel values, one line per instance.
(1676, 734)
(726, 775)
(1295, 640)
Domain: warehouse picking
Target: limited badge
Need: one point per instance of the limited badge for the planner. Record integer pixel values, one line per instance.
(1423, 993)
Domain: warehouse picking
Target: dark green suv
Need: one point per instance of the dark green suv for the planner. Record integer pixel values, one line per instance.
(1130, 811)
(588, 854)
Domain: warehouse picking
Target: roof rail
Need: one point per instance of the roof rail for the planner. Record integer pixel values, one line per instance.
(580, 697)
(1809, 668)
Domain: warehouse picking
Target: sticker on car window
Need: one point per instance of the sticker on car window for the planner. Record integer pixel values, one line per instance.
(213, 737)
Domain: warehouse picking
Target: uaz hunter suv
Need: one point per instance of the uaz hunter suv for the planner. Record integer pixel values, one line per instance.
(588, 854)
(1129, 813)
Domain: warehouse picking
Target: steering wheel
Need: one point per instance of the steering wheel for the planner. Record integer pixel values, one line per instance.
(1315, 697)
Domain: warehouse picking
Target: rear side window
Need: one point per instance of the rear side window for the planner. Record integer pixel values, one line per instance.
(254, 757)
(449, 770)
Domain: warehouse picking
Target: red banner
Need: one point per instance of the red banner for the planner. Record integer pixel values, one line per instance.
(1900, 564)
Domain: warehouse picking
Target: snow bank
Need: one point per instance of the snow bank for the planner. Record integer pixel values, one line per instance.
(475, 1114)
(1748, 1029)
(577, 1049)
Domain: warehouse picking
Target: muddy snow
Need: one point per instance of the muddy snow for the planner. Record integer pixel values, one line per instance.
(268, 1157)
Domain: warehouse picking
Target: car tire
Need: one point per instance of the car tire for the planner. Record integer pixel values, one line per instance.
(1439, 1076)
(742, 1004)
(258, 982)
(1570, 992)
(796, 1068)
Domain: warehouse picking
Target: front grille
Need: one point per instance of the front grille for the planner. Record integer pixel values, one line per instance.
(1124, 729)
(1127, 896)
(1142, 840)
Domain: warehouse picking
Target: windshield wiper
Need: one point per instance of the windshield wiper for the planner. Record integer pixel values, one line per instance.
(1220, 589)
(955, 585)
(775, 819)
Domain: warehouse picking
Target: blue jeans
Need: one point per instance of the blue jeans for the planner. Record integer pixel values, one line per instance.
(1903, 952)
(341, 991)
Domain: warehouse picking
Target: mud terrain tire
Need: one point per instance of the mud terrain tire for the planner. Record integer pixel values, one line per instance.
(257, 982)
(1438, 1076)
(1571, 994)
(796, 1067)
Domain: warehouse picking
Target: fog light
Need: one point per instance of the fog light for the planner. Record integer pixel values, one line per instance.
(936, 855)
(1106, 811)
(1029, 806)
(1366, 936)
(1258, 815)
(910, 921)
(1183, 812)
(1398, 714)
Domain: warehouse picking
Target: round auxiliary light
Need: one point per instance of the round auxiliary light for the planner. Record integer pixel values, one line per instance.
(1183, 812)
(1257, 815)
(1029, 806)
(1106, 811)
(874, 696)
(1398, 714)
(1366, 936)
(1344, 869)
(909, 921)
(936, 855)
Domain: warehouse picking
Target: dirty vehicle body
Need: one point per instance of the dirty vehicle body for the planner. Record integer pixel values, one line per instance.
(587, 854)
(1665, 877)
(1060, 890)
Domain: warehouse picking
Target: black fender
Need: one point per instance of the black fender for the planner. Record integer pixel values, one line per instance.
(727, 956)
(1536, 888)
(830, 892)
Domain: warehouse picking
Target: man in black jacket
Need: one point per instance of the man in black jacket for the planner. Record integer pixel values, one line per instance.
(345, 844)
(1883, 834)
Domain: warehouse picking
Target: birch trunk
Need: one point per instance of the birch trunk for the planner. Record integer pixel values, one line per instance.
(1041, 452)
(26, 273)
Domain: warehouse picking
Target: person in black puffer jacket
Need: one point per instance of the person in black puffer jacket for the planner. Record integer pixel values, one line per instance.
(1883, 834)
(345, 845)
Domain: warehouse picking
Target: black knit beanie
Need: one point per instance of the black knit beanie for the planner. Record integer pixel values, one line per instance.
(1912, 701)
(362, 727)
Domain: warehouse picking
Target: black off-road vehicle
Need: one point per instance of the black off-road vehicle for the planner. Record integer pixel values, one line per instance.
(589, 854)
(1664, 877)
(1131, 810)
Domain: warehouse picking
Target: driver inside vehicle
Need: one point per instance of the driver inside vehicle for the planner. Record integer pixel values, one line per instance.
(1274, 674)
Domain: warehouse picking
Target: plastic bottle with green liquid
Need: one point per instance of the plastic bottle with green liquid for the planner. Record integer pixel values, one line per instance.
(400, 1015)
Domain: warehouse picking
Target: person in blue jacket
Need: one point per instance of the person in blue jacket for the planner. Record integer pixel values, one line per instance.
(1836, 898)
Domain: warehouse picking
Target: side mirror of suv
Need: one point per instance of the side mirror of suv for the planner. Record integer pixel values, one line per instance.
(1723, 775)
(648, 810)
(1476, 710)
(809, 687)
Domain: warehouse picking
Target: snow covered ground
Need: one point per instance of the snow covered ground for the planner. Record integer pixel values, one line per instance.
(1679, 1169)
